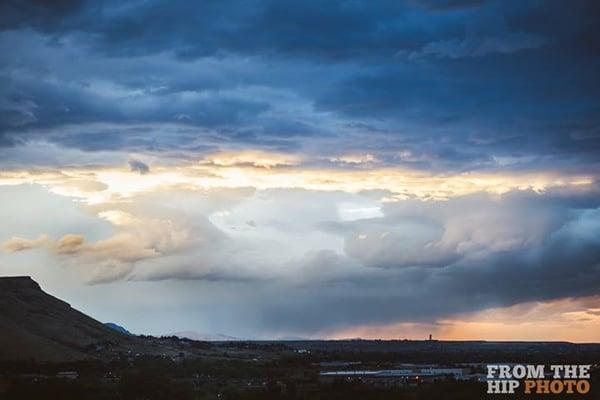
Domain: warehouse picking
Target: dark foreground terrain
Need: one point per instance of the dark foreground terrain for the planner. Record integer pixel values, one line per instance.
(261, 370)
(48, 350)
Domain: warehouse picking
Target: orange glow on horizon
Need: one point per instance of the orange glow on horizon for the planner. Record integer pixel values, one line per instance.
(571, 320)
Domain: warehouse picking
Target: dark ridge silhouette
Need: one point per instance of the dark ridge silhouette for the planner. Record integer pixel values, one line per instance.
(36, 325)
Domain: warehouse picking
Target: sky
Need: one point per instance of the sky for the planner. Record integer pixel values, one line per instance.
(274, 169)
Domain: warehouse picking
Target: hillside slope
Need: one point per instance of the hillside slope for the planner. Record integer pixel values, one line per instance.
(34, 324)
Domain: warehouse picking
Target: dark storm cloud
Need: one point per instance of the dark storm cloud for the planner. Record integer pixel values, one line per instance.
(421, 261)
(440, 259)
(447, 4)
(463, 83)
(42, 15)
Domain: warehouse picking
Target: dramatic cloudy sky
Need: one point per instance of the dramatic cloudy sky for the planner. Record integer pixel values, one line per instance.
(267, 168)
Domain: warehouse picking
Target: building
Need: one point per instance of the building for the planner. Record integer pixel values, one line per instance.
(67, 375)
(396, 377)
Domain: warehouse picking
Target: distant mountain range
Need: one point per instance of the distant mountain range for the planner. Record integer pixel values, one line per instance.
(117, 328)
(292, 338)
(206, 337)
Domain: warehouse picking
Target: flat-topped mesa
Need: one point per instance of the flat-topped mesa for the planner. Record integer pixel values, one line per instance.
(35, 324)
(18, 282)
(25, 289)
